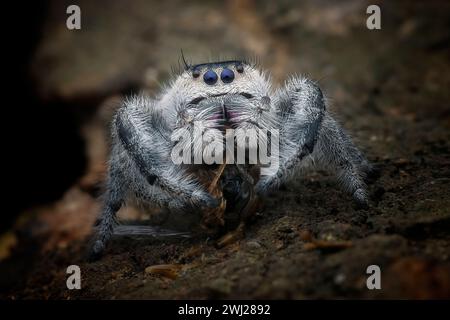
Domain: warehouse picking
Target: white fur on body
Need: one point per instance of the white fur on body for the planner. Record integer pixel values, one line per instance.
(140, 165)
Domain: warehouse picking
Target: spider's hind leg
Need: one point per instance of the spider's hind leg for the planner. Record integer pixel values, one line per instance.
(336, 152)
(114, 198)
(368, 171)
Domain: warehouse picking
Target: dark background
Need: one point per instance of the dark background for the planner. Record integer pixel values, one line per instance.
(389, 89)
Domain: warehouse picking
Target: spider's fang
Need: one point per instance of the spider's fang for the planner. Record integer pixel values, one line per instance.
(224, 112)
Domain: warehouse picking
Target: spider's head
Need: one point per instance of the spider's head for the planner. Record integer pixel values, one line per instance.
(234, 93)
(220, 95)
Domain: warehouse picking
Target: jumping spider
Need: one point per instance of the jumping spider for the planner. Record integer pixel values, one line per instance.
(227, 93)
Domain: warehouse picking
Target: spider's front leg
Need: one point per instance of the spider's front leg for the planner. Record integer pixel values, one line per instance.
(308, 130)
(141, 165)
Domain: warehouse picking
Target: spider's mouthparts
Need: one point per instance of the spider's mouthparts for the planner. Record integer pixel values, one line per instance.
(225, 116)
(225, 113)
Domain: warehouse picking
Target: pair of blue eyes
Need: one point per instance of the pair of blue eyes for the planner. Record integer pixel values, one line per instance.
(210, 77)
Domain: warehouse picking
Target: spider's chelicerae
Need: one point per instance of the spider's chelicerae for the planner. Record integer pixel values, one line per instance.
(237, 95)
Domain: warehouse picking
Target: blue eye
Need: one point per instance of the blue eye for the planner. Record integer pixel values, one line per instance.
(227, 75)
(210, 77)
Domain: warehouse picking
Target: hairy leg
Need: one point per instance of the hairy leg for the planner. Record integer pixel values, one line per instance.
(114, 198)
(146, 138)
(125, 184)
(336, 152)
(140, 163)
(301, 110)
(307, 129)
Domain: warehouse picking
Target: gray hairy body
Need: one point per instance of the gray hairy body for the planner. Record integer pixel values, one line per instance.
(140, 166)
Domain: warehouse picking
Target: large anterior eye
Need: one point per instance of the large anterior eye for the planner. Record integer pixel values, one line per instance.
(210, 77)
(227, 75)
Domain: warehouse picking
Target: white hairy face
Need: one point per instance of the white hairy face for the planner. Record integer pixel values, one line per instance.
(198, 93)
(220, 96)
